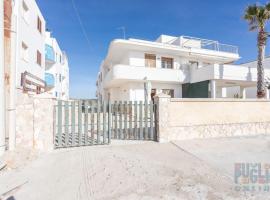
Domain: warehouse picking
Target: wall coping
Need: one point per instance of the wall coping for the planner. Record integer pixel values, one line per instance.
(217, 100)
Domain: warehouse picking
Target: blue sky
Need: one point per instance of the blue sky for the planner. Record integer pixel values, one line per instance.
(145, 19)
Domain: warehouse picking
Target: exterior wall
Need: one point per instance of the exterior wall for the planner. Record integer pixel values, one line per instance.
(251, 92)
(28, 33)
(59, 69)
(34, 123)
(253, 64)
(7, 56)
(180, 119)
(135, 91)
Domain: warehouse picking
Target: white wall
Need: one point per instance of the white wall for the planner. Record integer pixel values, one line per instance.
(137, 58)
(135, 91)
(253, 64)
(28, 33)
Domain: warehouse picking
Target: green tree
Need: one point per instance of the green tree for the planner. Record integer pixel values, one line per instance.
(257, 17)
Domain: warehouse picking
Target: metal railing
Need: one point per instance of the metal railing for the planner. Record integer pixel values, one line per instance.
(32, 83)
(209, 44)
(186, 42)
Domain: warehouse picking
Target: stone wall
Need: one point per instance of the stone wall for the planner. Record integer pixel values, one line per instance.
(180, 119)
(34, 122)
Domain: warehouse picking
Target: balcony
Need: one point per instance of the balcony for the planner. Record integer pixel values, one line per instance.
(225, 72)
(120, 74)
(49, 54)
(50, 81)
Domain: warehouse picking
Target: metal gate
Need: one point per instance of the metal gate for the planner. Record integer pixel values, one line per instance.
(133, 121)
(86, 122)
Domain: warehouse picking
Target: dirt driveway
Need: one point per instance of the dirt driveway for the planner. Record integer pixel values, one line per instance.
(145, 170)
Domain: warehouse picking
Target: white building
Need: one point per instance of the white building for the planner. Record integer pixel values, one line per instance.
(184, 67)
(29, 25)
(24, 62)
(57, 70)
(251, 92)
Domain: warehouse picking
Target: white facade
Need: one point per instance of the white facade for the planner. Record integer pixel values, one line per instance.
(29, 39)
(175, 63)
(251, 91)
(57, 69)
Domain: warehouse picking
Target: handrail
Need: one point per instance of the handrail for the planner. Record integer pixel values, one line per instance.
(211, 45)
(216, 45)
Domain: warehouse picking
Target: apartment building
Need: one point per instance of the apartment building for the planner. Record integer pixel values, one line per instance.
(26, 45)
(182, 67)
(26, 63)
(56, 69)
(30, 43)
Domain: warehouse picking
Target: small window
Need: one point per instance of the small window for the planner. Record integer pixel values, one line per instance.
(167, 63)
(60, 78)
(56, 94)
(169, 92)
(39, 25)
(25, 11)
(150, 60)
(25, 53)
(39, 59)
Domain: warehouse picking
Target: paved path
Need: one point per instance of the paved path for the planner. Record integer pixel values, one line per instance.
(132, 171)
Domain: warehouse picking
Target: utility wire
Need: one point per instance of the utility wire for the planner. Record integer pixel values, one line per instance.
(81, 23)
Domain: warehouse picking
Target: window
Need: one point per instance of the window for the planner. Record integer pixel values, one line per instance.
(169, 92)
(25, 12)
(39, 58)
(25, 53)
(39, 25)
(150, 60)
(60, 78)
(167, 63)
(60, 58)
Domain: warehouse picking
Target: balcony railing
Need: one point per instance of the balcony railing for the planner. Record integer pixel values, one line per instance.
(31, 83)
(49, 53)
(193, 42)
(187, 41)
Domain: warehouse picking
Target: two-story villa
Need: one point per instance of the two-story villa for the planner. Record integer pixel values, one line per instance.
(183, 67)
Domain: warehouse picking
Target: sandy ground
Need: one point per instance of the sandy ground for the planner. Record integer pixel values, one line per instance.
(146, 170)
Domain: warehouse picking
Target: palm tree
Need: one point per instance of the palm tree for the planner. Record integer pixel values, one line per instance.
(257, 16)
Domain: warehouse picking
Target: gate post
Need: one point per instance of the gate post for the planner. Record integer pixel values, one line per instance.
(162, 102)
